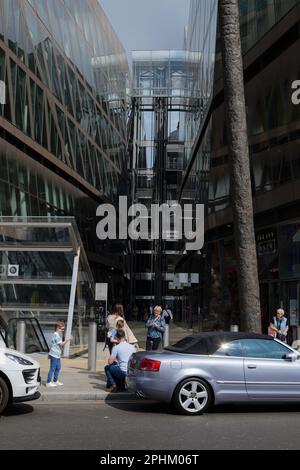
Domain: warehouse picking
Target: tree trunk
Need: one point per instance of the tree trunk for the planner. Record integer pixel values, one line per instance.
(241, 194)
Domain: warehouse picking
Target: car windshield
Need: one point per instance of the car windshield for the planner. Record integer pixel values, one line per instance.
(184, 345)
(210, 342)
(203, 345)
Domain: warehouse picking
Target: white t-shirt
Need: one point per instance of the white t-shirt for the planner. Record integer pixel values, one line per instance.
(56, 349)
(122, 352)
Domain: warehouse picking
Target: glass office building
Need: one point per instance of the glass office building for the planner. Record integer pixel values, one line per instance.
(63, 146)
(271, 45)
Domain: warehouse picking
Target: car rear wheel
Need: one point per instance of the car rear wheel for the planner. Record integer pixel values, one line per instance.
(4, 395)
(192, 396)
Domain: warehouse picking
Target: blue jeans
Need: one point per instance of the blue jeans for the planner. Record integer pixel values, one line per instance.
(55, 367)
(115, 376)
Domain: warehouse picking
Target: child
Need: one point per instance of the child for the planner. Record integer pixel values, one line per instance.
(114, 338)
(55, 354)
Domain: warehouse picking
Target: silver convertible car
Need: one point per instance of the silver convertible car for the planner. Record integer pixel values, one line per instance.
(215, 368)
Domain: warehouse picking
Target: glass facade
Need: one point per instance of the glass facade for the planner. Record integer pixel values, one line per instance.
(63, 141)
(194, 185)
(201, 41)
(66, 79)
(257, 17)
(270, 41)
(272, 128)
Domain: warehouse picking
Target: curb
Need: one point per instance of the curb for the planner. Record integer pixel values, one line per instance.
(86, 396)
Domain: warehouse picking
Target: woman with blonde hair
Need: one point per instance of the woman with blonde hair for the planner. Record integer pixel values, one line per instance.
(278, 326)
(156, 326)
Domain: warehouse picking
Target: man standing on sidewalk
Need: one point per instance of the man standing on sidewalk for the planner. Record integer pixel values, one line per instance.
(117, 367)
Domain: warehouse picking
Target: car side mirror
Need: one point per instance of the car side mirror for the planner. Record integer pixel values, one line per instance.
(292, 357)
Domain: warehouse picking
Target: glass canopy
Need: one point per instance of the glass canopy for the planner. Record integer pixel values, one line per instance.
(44, 274)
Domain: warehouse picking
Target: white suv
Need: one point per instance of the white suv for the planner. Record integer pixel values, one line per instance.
(19, 377)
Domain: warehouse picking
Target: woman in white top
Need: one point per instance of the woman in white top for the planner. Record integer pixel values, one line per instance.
(111, 322)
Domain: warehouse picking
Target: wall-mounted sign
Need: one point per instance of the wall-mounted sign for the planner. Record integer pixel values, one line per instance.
(266, 242)
(101, 310)
(13, 270)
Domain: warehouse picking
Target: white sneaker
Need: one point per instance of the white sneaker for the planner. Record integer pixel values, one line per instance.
(51, 384)
(60, 384)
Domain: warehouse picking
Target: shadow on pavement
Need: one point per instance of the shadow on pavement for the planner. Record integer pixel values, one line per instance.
(136, 405)
(257, 408)
(18, 409)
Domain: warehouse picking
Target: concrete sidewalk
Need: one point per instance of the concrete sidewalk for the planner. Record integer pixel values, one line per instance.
(81, 384)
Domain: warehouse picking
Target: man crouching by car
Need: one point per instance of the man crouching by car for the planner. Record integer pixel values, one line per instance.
(116, 369)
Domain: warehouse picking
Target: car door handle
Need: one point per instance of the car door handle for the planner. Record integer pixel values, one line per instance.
(251, 366)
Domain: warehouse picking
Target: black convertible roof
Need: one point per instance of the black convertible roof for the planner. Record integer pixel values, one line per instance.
(208, 343)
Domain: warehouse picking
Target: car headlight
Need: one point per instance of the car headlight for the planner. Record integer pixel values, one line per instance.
(18, 360)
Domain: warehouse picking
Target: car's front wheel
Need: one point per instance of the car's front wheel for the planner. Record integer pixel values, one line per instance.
(4, 395)
(192, 396)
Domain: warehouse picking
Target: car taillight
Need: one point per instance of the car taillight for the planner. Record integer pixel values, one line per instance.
(150, 365)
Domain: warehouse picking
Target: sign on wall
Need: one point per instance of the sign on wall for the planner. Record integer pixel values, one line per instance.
(266, 242)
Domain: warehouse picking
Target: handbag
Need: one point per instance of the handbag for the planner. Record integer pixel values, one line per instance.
(271, 332)
(281, 337)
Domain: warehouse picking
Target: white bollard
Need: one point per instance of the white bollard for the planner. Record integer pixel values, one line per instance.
(166, 336)
(92, 352)
(21, 335)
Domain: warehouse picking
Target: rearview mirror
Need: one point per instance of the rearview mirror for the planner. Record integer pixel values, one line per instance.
(292, 357)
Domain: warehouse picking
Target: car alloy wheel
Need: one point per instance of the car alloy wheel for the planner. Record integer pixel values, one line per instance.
(4, 395)
(192, 397)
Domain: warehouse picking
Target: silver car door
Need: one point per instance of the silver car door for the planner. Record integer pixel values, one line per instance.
(267, 374)
(227, 367)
